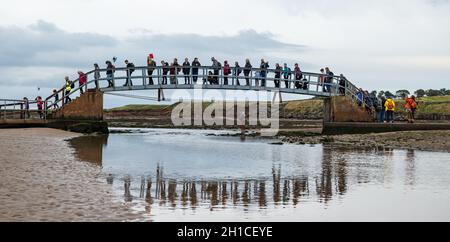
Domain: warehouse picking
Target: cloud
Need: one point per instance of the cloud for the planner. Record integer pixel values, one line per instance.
(44, 44)
(39, 53)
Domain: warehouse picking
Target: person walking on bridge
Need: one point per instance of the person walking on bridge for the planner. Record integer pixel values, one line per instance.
(82, 80)
(342, 84)
(151, 64)
(187, 71)
(40, 105)
(216, 68)
(165, 71)
(328, 79)
(298, 76)
(287, 75)
(174, 70)
(247, 71)
(56, 95)
(322, 78)
(278, 71)
(130, 70)
(237, 72)
(195, 65)
(263, 73)
(226, 72)
(110, 69)
(96, 75)
(390, 109)
(26, 103)
(69, 86)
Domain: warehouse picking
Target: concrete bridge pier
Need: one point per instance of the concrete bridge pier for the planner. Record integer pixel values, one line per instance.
(342, 109)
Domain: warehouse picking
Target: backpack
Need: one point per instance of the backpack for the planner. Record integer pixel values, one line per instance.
(390, 105)
(72, 85)
(132, 67)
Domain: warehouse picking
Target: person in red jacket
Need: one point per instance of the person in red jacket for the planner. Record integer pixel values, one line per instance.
(40, 104)
(82, 80)
(226, 72)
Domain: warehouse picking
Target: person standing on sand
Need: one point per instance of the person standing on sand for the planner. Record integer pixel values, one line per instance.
(390, 108)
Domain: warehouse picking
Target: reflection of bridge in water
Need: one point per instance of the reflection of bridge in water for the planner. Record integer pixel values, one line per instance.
(330, 180)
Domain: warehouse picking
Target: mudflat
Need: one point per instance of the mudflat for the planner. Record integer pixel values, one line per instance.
(437, 141)
(42, 180)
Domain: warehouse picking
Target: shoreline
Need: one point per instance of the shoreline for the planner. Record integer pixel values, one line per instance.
(41, 179)
(417, 140)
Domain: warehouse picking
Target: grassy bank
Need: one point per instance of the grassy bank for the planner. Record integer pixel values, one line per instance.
(430, 108)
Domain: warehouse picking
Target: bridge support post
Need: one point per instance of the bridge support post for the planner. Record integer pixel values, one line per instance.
(280, 98)
(161, 95)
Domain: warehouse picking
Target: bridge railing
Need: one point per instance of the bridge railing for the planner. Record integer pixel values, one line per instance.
(172, 77)
(19, 109)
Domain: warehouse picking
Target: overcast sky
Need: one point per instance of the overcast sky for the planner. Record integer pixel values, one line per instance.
(380, 44)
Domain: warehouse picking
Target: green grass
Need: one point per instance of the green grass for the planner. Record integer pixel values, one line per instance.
(428, 106)
(138, 108)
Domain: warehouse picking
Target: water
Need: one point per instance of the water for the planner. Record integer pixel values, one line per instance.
(189, 175)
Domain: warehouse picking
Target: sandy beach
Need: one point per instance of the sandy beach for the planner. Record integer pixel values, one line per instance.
(41, 180)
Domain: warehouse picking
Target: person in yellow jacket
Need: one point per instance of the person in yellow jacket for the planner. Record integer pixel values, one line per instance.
(390, 109)
(68, 90)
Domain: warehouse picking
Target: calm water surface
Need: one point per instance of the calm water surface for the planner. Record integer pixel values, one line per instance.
(191, 175)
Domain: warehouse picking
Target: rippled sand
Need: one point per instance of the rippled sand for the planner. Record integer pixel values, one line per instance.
(41, 180)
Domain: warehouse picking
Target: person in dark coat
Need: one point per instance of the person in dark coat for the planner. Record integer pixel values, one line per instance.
(237, 72)
(187, 71)
(247, 71)
(195, 64)
(165, 71)
(278, 70)
(263, 73)
(130, 70)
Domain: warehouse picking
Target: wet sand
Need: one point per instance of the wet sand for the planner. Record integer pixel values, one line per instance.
(41, 180)
(438, 141)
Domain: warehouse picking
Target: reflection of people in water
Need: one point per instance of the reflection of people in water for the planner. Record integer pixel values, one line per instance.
(110, 179)
(127, 186)
(246, 192)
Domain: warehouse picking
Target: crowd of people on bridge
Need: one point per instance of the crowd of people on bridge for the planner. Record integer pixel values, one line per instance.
(218, 74)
